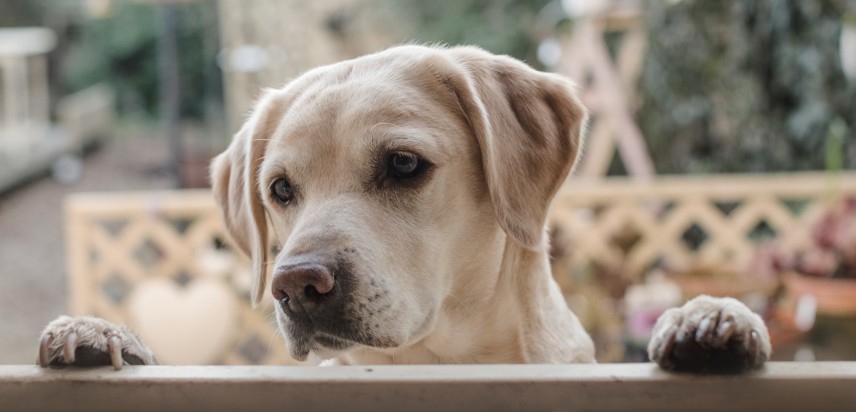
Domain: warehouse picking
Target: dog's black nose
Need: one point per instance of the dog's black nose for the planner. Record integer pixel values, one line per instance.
(303, 285)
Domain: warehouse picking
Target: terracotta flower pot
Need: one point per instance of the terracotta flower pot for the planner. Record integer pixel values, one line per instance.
(720, 282)
(833, 296)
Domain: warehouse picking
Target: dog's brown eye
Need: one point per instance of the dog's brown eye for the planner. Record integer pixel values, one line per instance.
(282, 190)
(404, 165)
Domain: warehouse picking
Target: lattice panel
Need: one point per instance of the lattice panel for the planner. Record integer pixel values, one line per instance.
(139, 258)
(680, 222)
(157, 262)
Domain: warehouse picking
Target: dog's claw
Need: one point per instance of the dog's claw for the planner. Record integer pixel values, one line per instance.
(70, 347)
(87, 341)
(703, 328)
(724, 332)
(669, 341)
(713, 335)
(115, 347)
(44, 347)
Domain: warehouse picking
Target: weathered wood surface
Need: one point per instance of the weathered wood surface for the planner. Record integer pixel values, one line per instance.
(821, 386)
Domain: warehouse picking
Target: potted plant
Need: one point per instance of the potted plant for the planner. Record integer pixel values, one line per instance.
(826, 268)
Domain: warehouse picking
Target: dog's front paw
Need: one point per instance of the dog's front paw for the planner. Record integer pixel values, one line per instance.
(89, 341)
(716, 335)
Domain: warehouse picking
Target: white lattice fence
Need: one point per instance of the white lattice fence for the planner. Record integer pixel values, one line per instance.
(156, 260)
(695, 220)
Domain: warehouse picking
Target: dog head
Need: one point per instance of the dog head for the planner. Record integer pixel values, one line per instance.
(389, 182)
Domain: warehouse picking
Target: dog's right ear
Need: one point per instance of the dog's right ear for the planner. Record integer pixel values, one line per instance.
(235, 182)
(529, 126)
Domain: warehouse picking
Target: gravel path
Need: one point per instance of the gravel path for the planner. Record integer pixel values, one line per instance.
(32, 258)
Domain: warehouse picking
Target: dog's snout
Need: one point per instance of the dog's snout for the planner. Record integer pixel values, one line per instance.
(303, 286)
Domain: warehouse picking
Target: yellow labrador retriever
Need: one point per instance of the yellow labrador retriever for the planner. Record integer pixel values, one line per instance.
(407, 192)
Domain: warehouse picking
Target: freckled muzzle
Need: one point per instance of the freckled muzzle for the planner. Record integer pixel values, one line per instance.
(318, 305)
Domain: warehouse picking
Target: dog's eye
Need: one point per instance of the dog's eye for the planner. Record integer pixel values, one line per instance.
(404, 165)
(282, 190)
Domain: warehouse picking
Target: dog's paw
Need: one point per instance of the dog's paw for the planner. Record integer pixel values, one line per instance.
(88, 341)
(715, 335)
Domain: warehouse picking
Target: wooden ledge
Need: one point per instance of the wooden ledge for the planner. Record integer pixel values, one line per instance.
(780, 386)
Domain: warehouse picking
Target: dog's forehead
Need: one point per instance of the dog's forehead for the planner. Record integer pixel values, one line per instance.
(348, 109)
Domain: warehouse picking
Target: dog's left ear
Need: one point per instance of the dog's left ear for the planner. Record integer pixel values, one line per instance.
(235, 182)
(529, 126)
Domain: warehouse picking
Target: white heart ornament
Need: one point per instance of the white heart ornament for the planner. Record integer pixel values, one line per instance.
(193, 325)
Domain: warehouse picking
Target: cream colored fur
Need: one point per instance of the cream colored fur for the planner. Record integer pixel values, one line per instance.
(468, 267)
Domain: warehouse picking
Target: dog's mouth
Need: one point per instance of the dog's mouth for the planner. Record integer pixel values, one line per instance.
(305, 336)
(354, 315)
(332, 342)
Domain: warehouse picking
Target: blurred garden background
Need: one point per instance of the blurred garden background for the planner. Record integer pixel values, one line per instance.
(752, 103)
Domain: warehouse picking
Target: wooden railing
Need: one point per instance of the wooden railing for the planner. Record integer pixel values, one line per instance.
(822, 386)
(157, 260)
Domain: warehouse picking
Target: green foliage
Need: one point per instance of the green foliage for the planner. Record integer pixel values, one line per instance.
(120, 50)
(123, 51)
(16, 13)
(499, 26)
(743, 86)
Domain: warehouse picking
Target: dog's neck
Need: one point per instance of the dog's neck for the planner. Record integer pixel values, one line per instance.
(512, 316)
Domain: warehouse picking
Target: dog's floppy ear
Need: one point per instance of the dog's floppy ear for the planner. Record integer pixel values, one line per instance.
(235, 182)
(529, 126)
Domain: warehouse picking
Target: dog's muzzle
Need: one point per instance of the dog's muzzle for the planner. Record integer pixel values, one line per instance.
(318, 306)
